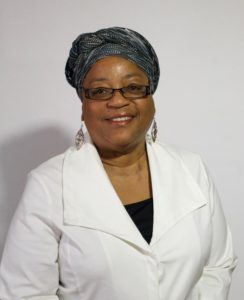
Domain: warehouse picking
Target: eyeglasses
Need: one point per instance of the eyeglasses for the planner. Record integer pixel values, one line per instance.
(130, 92)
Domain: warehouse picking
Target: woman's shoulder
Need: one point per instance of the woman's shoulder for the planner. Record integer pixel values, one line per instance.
(187, 159)
(177, 152)
(51, 168)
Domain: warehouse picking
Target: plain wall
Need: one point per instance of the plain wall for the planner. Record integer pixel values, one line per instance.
(200, 45)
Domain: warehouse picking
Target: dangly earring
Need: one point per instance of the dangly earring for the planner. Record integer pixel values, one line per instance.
(154, 131)
(79, 138)
(151, 137)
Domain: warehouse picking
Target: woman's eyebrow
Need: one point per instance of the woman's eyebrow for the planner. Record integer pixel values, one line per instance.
(98, 79)
(133, 75)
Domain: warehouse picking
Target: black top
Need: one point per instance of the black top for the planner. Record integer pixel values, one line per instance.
(142, 215)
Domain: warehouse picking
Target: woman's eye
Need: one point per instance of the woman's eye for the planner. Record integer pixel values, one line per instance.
(99, 91)
(134, 87)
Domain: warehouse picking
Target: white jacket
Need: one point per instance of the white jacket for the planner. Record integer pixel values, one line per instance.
(72, 239)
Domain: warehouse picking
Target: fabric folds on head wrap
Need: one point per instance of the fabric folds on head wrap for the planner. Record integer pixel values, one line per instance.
(88, 48)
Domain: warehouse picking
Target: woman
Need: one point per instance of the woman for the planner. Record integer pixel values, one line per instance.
(119, 216)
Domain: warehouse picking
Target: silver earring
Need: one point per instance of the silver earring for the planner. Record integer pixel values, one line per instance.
(154, 131)
(79, 138)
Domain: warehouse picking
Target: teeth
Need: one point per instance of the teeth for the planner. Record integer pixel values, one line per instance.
(121, 119)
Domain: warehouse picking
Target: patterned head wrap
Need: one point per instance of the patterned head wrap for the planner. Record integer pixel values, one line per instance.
(88, 48)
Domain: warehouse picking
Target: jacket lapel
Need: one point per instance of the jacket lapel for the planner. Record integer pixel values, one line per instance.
(175, 191)
(91, 201)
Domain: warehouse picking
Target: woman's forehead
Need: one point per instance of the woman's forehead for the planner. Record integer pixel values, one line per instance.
(114, 67)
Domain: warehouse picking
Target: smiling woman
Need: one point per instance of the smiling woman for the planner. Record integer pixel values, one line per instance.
(120, 215)
(119, 123)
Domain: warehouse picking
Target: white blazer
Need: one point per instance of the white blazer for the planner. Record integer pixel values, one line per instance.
(72, 239)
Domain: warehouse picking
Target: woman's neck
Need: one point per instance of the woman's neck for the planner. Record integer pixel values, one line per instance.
(120, 159)
(129, 174)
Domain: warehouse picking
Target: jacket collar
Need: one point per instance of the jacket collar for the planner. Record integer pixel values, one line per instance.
(91, 201)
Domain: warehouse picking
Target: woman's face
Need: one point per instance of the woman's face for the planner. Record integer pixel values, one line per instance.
(116, 124)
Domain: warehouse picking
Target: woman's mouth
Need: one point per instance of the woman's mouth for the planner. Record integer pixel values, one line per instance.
(120, 120)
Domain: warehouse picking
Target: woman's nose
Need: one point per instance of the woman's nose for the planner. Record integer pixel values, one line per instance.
(117, 100)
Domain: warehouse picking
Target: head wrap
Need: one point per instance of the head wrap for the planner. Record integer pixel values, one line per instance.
(88, 48)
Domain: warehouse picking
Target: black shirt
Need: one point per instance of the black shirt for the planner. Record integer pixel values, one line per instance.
(142, 215)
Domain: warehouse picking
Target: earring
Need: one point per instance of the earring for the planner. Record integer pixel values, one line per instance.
(154, 131)
(79, 138)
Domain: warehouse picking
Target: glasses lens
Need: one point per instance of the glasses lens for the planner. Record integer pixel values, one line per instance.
(135, 91)
(99, 93)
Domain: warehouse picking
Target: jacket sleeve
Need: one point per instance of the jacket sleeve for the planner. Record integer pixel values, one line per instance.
(29, 267)
(215, 281)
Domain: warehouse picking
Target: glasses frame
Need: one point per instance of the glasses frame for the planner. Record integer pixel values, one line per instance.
(121, 90)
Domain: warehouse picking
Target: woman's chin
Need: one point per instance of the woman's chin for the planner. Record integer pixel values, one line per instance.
(122, 144)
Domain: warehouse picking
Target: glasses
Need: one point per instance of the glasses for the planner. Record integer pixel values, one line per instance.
(130, 92)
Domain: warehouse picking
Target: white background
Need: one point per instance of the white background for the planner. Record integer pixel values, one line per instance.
(200, 45)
